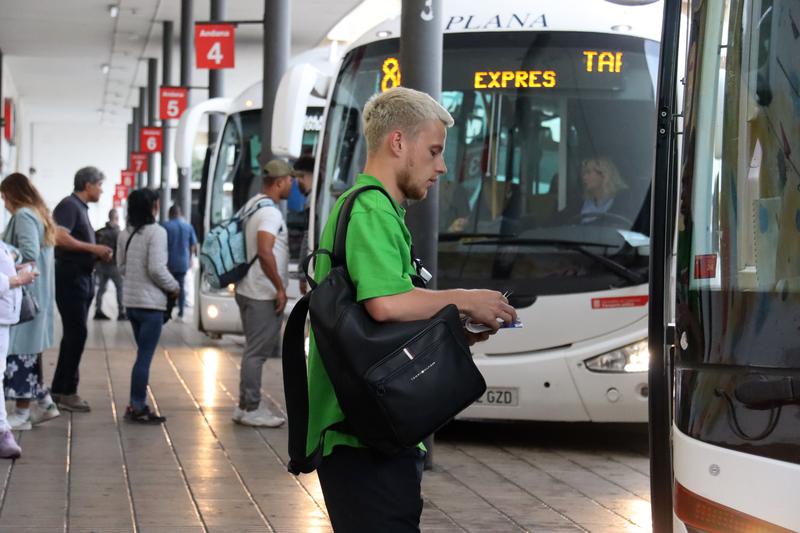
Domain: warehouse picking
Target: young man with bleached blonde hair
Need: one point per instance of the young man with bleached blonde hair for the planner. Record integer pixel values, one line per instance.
(405, 132)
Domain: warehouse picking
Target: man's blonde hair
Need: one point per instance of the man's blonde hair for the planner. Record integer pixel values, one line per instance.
(400, 108)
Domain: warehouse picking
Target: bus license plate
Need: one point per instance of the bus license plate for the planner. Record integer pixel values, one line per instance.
(505, 396)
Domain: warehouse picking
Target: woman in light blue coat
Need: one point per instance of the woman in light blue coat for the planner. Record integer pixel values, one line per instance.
(32, 232)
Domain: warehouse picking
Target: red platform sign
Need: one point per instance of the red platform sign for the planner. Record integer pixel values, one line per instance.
(214, 45)
(138, 162)
(172, 102)
(128, 178)
(151, 140)
(619, 302)
(121, 192)
(10, 120)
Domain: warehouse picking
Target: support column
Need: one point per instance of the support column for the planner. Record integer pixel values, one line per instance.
(152, 117)
(130, 144)
(139, 118)
(166, 125)
(277, 41)
(187, 54)
(216, 80)
(421, 35)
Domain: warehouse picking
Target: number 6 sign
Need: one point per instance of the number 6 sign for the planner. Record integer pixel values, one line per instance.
(172, 102)
(214, 45)
(151, 140)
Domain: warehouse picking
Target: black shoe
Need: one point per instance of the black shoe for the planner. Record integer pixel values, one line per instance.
(144, 416)
(101, 316)
(122, 316)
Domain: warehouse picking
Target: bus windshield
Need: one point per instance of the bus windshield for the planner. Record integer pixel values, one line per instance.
(738, 277)
(236, 164)
(549, 161)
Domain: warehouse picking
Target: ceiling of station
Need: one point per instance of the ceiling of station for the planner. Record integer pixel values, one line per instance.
(55, 49)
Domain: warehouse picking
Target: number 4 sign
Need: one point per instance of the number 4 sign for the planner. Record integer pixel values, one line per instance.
(214, 45)
(151, 140)
(173, 102)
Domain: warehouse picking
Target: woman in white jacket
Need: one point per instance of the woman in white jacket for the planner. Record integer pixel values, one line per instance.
(142, 261)
(10, 297)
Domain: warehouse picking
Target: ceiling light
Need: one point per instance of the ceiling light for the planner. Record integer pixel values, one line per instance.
(104, 68)
(623, 28)
(383, 33)
(113, 11)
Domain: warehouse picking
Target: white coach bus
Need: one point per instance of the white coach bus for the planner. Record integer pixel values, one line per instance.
(549, 99)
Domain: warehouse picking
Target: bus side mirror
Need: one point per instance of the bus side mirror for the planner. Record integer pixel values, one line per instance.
(189, 124)
(300, 87)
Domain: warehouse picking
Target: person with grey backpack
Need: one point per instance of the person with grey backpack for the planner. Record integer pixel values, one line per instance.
(261, 293)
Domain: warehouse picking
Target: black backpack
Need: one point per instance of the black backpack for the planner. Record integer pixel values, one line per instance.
(396, 382)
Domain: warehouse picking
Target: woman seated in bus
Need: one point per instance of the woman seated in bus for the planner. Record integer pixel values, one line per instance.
(601, 185)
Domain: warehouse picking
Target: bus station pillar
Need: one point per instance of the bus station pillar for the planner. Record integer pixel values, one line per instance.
(277, 41)
(216, 80)
(152, 95)
(187, 52)
(166, 81)
(138, 122)
(421, 43)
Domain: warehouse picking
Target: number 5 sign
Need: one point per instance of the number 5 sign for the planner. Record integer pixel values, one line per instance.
(213, 45)
(172, 102)
(151, 140)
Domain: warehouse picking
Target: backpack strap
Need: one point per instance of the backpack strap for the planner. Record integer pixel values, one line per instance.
(295, 386)
(263, 202)
(340, 236)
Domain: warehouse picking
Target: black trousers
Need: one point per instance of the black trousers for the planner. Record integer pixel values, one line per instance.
(365, 491)
(74, 292)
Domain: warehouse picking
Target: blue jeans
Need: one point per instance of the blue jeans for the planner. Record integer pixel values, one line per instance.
(146, 324)
(180, 277)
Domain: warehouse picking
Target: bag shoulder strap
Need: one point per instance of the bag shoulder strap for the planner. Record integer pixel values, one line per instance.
(340, 235)
(128, 242)
(295, 383)
(263, 202)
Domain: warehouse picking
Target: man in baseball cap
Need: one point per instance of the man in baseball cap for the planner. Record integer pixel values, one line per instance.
(277, 168)
(261, 294)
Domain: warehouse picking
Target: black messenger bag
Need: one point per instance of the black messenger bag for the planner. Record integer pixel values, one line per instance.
(396, 382)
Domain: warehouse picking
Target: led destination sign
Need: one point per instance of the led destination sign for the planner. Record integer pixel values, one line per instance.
(515, 78)
(594, 61)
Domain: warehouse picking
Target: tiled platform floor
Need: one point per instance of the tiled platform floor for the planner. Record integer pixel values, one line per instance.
(200, 472)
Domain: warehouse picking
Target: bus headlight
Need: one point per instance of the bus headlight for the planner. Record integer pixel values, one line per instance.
(632, 358)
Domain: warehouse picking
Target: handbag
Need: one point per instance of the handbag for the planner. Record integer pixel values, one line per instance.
(28, 307)
(396, 382)
(171, 300)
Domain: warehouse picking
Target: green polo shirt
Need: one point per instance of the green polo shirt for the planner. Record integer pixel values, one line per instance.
(378, 253)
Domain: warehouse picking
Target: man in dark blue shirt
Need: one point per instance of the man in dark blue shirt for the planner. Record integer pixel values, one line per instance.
(75, 254)
(181, 245)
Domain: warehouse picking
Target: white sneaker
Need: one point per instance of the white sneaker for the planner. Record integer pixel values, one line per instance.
(260, 417)
(19, 422)
(41, 414)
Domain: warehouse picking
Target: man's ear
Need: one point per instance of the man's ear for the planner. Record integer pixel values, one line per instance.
(397, 142)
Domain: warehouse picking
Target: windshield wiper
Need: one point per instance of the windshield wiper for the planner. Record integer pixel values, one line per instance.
(613, 266)
(456, 236)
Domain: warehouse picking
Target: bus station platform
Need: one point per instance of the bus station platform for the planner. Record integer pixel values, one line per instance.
(199, 472)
